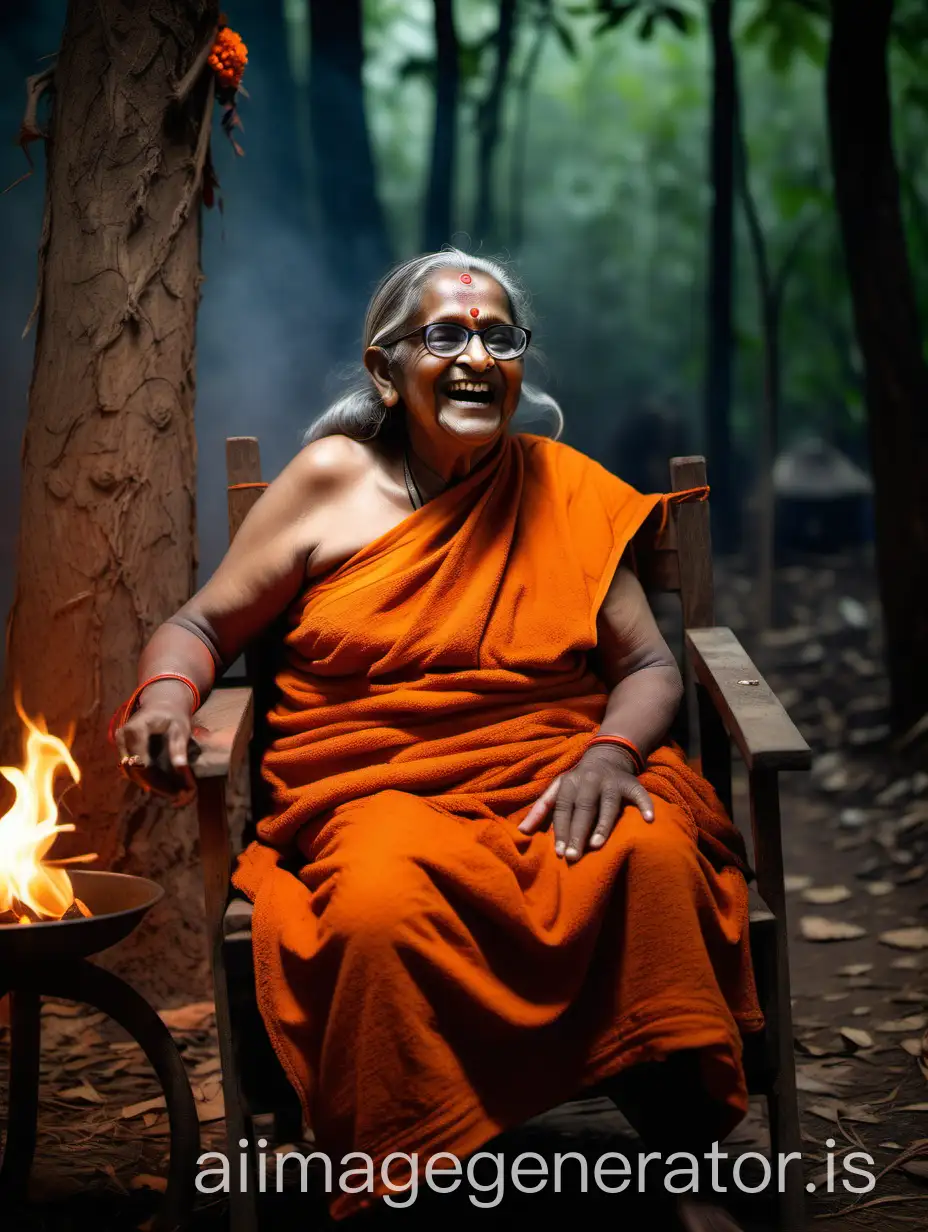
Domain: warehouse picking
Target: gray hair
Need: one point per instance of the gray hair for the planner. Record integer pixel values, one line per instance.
(359, 412)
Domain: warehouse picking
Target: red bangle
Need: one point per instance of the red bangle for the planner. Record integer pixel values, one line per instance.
(123, 712)
(623, 744)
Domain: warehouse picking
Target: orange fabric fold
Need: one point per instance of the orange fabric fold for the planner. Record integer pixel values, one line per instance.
(428, 975)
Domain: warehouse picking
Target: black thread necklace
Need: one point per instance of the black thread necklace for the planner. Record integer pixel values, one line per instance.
(412, 488)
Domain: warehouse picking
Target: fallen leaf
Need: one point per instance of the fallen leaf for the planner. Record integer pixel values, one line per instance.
(913, 1108)
(906, 938)
(835, 1110)
(814, 1086)
(853, 969)
(812, 1050)
(912, 1046)
(147, 1105)
(211, 1110)
(826, 895)
(144, 1181)
(857, 1037)
(83, 1092)
(187, 1017)
(111, 1173)
(57, 1009)
(879, 889)
(914, 874)
(794, 882)
(915, 1022)
(211, 1065)
(819, 928)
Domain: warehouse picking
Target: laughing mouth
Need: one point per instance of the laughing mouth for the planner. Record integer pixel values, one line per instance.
(473, 393)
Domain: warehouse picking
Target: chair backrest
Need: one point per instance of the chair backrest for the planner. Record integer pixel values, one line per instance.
(680, 564)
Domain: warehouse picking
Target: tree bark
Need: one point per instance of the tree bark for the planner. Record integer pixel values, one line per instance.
(889, 335)
(718, 380)
(439, 201)
(357, 248)
(489, 125)
(107, 540)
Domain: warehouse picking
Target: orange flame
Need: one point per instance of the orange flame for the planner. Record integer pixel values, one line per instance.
(30, 826)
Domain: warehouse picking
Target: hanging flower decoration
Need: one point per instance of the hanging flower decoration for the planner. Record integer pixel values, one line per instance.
(227, 59)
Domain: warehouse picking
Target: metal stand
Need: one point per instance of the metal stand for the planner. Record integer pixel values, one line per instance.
(79, 980)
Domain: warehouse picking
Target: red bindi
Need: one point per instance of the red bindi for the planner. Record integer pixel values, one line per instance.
(466, 278)
(475, 312)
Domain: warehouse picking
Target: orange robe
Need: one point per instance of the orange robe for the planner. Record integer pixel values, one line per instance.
(428, 975)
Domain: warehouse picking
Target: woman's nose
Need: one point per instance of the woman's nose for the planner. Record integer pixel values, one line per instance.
(476, 356)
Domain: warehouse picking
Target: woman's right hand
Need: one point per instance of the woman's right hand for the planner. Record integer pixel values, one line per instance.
(155, 745)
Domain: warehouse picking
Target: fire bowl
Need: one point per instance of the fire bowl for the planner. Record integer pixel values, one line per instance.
(118, 902)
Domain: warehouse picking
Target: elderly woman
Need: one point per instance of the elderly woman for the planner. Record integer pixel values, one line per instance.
(485, 883)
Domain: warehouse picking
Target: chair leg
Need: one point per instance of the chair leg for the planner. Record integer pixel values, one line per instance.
(23, 1108)
(288, 1123)
(786, 1138)
(215, 853)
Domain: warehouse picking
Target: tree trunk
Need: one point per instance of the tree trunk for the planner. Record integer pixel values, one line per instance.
(718, 381)
(439, 202)
(889, 335)
(489, 125)
(107, 541)
(357, 249)
(524, 88)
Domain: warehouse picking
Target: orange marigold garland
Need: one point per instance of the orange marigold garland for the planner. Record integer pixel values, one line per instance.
(227, 59)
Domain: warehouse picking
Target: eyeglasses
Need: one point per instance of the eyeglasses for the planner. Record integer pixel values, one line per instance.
(447, 340)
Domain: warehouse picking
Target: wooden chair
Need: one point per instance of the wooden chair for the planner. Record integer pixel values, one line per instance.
(733, 705)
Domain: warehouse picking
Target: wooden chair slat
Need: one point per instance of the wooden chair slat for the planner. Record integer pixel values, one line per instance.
(753, 715)
(224, 726)
(243, 465)
(694, 544)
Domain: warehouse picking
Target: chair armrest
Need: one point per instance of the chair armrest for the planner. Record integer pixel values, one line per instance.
(752, 714)
(222, 728)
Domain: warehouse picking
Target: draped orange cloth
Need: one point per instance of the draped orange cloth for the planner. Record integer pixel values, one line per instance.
(428, 975)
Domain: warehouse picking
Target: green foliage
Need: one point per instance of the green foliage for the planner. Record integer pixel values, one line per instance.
(787, 29)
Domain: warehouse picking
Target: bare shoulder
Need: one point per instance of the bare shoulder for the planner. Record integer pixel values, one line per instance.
(332, 463)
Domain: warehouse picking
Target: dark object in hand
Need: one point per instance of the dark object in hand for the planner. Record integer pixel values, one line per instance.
(161, 774)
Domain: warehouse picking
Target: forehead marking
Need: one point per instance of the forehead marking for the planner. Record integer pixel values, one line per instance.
(466, 278)
(475, 312)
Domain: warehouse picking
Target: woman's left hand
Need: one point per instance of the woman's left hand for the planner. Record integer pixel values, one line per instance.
(588, 800)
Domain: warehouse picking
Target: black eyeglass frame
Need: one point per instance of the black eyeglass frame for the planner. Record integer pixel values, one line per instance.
(471, 333)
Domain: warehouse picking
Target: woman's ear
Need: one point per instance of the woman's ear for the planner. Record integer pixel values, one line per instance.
(377, 362)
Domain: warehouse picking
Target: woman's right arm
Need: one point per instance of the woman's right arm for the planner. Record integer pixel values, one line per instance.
(261, 573)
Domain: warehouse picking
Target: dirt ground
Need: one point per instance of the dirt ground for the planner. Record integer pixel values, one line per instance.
(856, 849)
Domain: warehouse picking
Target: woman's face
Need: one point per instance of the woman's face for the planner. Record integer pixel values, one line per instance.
(472, 396)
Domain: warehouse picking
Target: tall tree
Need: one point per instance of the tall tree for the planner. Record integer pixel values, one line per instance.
(489, 123)
(888, 332)
(356, 244)
(544, 19)
(439, 201)
(718, 378)
(772, 280)
(107, 541)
